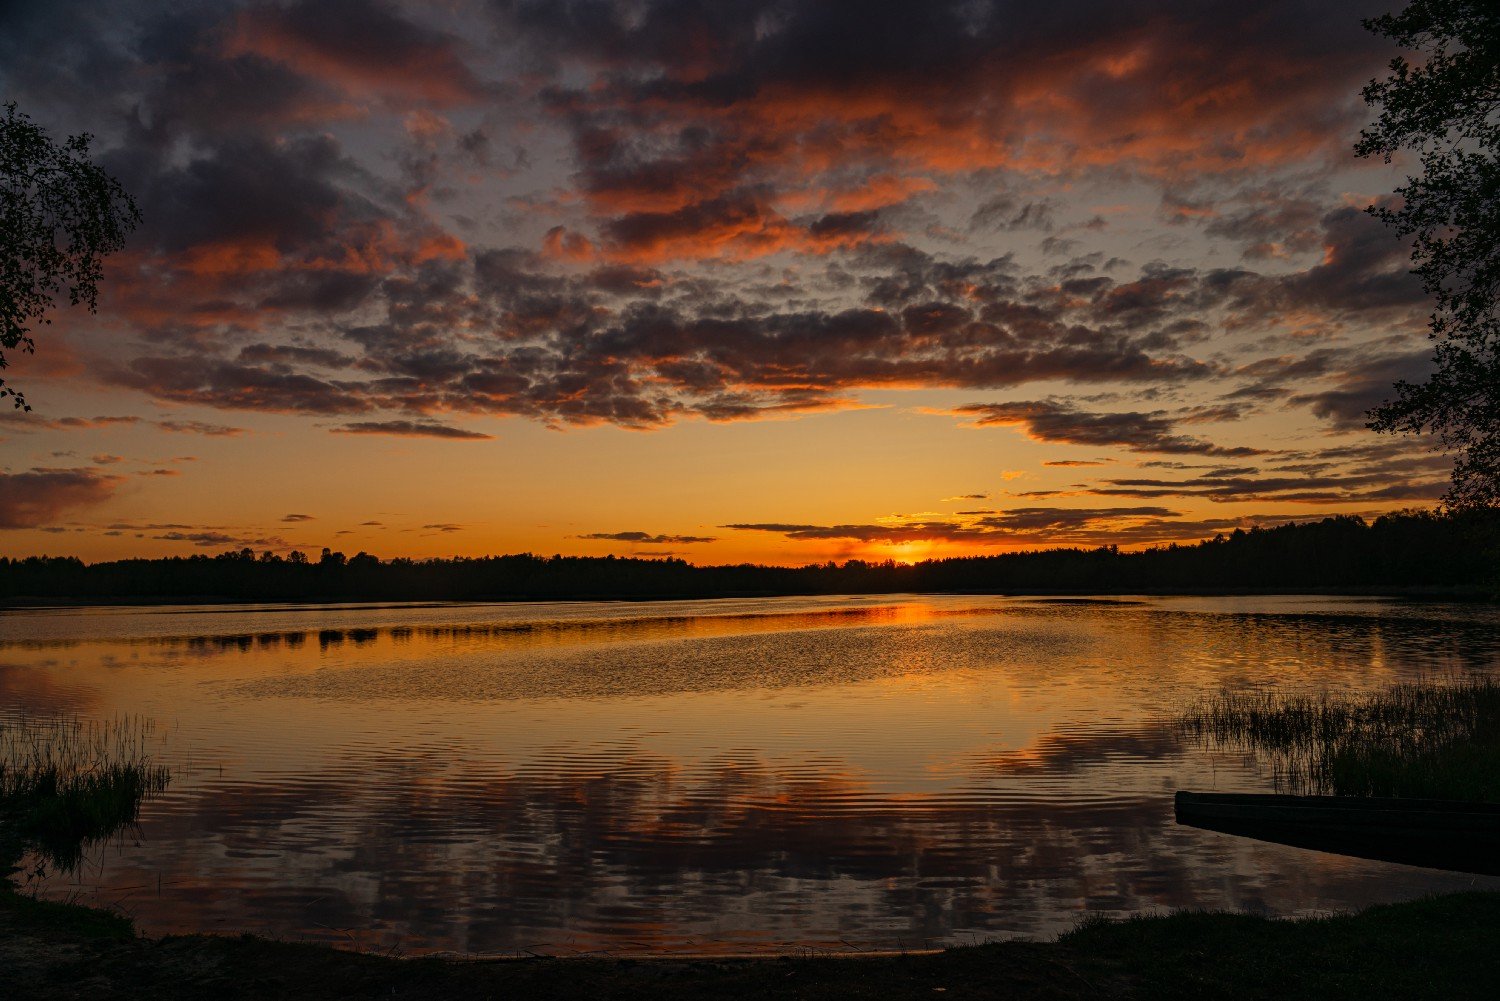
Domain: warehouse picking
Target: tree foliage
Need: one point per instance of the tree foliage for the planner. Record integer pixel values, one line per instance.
(60, 215)
(1445, 107)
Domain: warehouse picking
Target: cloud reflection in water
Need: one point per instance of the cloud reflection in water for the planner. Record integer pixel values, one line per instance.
(803, 771)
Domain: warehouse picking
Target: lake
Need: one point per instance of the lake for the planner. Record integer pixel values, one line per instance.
(736, 775)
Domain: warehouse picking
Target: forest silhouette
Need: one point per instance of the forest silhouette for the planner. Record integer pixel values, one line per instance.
(1410, 550)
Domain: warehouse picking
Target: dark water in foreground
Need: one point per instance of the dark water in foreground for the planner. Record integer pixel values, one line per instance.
(709, 775)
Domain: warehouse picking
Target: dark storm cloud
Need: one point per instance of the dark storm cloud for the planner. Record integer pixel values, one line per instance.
(698, 123)
(693, 124)
(584, 349)
(38, 496)
(646, 538)
(249, 230)
(225, 66)
(1054, 421)
(1363, 275)
(569, 350)
(901, 74)
(292, 356)
(741, 225)
(1273, 378)
(1384, 471)
(1364, 268)
(250, 207)
(1340, 385)
(362, 47)
(244, 190)
(301, 208)
(1007, 212)
(844, 228)
(1269, 224)
(701, 132)
(225, 384)
(1360, 389)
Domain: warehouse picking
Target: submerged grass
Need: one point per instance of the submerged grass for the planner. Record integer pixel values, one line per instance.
(66, 784)
(1430, 740)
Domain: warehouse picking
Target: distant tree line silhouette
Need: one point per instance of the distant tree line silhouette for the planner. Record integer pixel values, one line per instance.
(1413, 549)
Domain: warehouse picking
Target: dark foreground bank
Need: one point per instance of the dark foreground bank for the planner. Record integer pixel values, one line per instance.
(1442, 947)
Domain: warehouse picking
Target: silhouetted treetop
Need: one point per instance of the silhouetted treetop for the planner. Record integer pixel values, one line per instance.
(60, 215)
(1445, 107)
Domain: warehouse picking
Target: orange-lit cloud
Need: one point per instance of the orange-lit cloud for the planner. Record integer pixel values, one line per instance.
(38, 497)
(1169, 91)
(413, 429)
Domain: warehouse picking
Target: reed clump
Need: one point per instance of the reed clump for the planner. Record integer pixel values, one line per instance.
(66, 784)
(1427, 739)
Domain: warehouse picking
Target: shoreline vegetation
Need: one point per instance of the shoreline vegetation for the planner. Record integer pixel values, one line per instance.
(1421, 740)
(67, 785)
(1430, 554)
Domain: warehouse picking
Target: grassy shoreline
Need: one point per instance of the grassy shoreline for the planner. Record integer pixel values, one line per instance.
(1439, 947)
(1436, 739)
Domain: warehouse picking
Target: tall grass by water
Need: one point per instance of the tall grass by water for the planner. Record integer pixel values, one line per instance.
(1431, 740)
(67, 784)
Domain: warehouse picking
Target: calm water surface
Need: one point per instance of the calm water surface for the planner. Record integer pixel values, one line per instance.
(707, 775)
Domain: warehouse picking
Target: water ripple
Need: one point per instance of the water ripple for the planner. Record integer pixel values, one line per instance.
(689, 776)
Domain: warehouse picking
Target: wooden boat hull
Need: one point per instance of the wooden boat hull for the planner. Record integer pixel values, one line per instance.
(1437, 834)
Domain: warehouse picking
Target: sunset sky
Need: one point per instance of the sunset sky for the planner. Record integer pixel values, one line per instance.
(769, 281)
